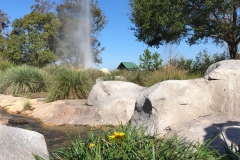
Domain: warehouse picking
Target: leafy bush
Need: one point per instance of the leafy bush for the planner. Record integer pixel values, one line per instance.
(22, 79)
(129, 143)
(64, 83)
(4, 65)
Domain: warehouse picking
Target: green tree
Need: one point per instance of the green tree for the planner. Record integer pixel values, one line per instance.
(158, 22)
(69, 13)
(42, 6)
(149, 61)
(203, 60)
(30, 39)
(4, 22)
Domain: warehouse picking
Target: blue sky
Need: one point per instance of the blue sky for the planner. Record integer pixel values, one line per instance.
(119, 41)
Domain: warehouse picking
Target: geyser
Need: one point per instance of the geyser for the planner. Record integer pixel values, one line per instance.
(84, 32)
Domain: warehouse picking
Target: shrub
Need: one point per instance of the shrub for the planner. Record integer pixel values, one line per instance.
(22, 79)
(94, 74)
(130, 143)
(27, 106)
(64, 83)
(4, 65)
(165, 73)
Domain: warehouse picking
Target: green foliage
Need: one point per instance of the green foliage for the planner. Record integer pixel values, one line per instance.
(27, 106)
(70, 14)
(64, 83)
(4, 22)
(150, 61)
(169, 21)
(134, 145)
(22, 79)
(31, 40)
(165, 73)
(4, 65)
(203, 60)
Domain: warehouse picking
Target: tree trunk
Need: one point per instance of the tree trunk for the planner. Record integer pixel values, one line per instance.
(233, 50)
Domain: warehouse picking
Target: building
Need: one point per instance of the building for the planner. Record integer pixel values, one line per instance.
(127, 65)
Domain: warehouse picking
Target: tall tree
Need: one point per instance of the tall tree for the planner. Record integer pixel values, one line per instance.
(30, 40)
(149, 61)
(4, 22)
(158, 22)
(42, 6)
(69, 13)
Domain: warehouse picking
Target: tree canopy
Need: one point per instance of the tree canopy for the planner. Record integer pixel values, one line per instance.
(30, 41)
(149, 61)
(4, 22)
(158, 22)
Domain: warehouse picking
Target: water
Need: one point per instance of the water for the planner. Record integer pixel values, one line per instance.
(84, 32)
(55, 136)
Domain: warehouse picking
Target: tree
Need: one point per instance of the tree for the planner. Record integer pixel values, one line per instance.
(30, 40)
(69, 13)
(4, 22)
(42, 6)
(159, 22)
(150, 61)
(203, 60)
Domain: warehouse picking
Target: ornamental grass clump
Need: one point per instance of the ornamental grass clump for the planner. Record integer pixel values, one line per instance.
(129, 143)
(65, 83)
(22, 79)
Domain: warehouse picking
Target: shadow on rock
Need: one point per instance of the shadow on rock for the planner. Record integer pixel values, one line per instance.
(228, 132)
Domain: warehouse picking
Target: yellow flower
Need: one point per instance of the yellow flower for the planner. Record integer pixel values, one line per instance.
(117, 135)
(91, 145)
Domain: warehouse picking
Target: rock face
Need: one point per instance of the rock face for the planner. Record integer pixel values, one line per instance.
(16, 143)
(173, 106)
(170, 102)
(224, 85)
(67, 112)
(115, 100)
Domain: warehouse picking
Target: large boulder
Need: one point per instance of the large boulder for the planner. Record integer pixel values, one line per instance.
(224, 85)
(115, 100)
(16, 143)
(169, 102)
(195, 108)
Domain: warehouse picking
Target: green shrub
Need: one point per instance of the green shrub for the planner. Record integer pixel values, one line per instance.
(27, 106)
(64, 83)
(4, 65)
(129, 143)
(94, 74)
(22, 79)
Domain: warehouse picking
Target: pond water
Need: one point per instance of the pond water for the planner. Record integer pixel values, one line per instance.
(55, 136)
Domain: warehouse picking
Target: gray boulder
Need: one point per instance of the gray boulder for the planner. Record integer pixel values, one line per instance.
(115, 100)
(21, 144)
(224, 85)
(169, 102)
(195, 109)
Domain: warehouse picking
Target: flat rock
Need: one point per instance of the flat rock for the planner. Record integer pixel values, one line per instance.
(63, 112)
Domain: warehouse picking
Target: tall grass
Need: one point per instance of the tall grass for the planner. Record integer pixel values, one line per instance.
(22, 79)
(65, 83)
(149, 78)
(4, 65)
(134, 145)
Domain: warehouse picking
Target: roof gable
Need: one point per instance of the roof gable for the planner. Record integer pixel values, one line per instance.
(128, 65)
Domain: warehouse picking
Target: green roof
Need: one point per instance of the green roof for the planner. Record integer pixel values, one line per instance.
(129, 65)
